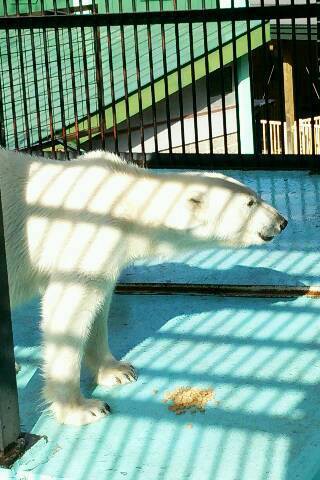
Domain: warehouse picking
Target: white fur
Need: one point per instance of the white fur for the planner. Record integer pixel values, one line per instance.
(70, 227)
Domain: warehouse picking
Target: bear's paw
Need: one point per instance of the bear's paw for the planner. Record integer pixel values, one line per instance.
(83, 412)
(116, 373)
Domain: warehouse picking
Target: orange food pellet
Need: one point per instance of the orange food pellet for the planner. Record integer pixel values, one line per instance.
(185, 398)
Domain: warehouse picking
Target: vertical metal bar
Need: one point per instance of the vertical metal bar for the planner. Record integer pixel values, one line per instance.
(281, 86)
(2, 124)
(9, 407)
(251, 83)
(73, 83)
(10, 73)
(125, 84)
(48, 83)
(86, 79)
(86, 83)
(153, 97)
(99, 82)
(222, 85)
(61, 97)
(166, 86)
(311, 78)
(266, 80)
(136, 48)
(193, 84)
(23, 88)
(318, 43)
(2, 119)
(35, 80)
(180, 98)
(235, 77)
(295, 79)
(113, 100)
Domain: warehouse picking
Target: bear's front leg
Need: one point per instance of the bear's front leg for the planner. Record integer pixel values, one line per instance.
(68, 311)
(106, 370)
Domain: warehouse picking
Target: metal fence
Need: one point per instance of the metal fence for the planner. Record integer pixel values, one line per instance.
(157, 84)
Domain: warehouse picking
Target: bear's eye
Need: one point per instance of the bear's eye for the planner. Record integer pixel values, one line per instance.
(251, 202)
(195, 201)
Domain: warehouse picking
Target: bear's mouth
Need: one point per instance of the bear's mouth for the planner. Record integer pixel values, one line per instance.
(265, 238)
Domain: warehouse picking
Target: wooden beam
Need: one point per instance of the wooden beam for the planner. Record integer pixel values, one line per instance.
(288, 95)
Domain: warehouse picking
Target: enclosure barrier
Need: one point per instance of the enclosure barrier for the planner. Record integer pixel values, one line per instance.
(159, 82)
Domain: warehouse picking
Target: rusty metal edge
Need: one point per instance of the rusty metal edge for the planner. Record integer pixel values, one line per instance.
(218, 290)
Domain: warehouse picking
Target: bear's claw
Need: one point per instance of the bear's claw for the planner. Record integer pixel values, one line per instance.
(83, 412)
(116, 373)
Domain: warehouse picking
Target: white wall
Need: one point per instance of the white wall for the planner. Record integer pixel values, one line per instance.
(175, 124)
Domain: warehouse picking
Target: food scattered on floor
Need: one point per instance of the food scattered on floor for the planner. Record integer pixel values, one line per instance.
(188, 398)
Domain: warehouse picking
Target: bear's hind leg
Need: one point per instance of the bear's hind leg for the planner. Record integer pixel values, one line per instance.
(68, 311)
(106, 369)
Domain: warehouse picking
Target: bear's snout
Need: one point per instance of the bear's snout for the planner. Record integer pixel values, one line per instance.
(283, 224)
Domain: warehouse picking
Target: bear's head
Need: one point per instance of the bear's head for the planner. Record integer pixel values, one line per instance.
(219, 209)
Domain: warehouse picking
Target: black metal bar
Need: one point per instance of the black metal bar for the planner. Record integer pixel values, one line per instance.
(153, 17)
(281, 82)
(61, 95)
(311, 79)
(180, 96)
(260, 291)
(153, 97)
(100, 89)
(236, 79)
(193, 85)
(253, 121)
(206, 53)
(73, 84)
(12, 95)
(165, 75)
(86, 84)
(266, 80)
(136, 48)
(48, 84)
(2, 123)
(35, 79)
(230, 161)
(222, 84)
(295, 80)
(125, 82)
(24, 91)
(318, 43)
(113, 101)
(9, 407)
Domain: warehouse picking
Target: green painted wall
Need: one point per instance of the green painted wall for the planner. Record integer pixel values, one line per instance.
(114, 5)
(23, 6)
(29, 66)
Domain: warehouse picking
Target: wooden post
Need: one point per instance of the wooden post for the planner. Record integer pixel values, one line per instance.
(288, 95)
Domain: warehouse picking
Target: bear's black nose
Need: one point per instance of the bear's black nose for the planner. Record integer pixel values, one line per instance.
(283, 224)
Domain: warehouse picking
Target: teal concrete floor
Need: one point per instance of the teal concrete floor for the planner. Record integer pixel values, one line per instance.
(260, 356)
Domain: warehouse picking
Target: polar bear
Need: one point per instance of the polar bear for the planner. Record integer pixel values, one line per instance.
(70, 228)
